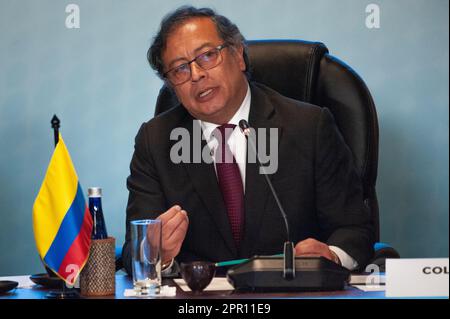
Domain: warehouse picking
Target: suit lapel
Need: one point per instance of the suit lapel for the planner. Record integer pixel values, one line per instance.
(203, 177)
(262, 115)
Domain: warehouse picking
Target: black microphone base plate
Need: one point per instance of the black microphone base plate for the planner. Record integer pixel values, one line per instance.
(265, 274)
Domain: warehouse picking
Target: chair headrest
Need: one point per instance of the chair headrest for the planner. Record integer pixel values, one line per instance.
(290, 67)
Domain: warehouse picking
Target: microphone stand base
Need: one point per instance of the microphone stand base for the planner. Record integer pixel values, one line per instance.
(263, 274)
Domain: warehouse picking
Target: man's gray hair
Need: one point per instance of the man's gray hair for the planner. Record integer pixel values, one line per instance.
(227, 30)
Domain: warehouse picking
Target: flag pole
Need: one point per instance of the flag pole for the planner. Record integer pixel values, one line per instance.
(63, 294)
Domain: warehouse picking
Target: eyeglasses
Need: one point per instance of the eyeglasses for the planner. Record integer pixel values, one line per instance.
(207, 60)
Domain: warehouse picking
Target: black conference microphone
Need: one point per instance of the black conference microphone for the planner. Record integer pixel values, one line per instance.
(287, 273)
(289, 251)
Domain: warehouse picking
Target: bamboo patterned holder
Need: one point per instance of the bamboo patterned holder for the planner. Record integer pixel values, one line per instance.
(98, 275)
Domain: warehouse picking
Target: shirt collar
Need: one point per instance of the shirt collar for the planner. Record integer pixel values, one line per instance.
(241, 114)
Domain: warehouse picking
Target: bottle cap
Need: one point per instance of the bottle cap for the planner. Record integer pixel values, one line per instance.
(95, 192)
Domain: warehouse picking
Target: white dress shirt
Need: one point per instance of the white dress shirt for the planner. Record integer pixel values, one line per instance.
(236, 142)
(238, 146)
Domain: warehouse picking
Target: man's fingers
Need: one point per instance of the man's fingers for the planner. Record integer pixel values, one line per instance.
(174, 233)
(169, 214)
(313, 248)
(175, 241)
(173, 225)
(304, 252)
(309, 255)
(310, 246)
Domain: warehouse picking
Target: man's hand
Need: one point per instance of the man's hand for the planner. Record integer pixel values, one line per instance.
(314, 248)
(174, 227)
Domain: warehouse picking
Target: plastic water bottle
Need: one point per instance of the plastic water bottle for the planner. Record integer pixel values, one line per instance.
(95, 207)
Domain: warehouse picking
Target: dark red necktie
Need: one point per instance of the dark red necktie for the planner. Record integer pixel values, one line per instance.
(230, 181)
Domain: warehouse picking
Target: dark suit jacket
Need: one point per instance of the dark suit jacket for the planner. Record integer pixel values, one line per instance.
(316, 181)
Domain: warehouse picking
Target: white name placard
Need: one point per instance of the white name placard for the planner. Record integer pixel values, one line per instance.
(424, 277)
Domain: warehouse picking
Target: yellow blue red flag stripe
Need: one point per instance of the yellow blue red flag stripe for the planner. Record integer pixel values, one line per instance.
(61, 220)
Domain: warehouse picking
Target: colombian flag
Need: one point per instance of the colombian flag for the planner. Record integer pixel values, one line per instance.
(61, 220)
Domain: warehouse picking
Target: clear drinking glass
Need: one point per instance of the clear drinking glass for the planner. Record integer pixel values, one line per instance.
(146, 256)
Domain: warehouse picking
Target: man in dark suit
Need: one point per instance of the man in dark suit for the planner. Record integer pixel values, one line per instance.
(224, 210)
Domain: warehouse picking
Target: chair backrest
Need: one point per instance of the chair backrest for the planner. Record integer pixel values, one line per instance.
(307, 72)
